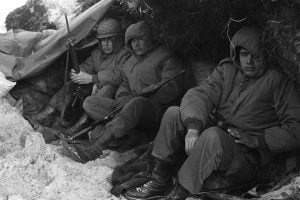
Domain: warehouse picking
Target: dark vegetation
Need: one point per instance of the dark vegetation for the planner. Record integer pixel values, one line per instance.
(200, 29)
(31, 17)
(195, 29)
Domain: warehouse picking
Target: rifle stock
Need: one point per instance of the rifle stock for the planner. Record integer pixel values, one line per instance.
(111, 115)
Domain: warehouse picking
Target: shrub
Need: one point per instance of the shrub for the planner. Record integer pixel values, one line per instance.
(31, 17)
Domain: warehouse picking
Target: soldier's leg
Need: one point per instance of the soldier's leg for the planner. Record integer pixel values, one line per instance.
(214, 150)
(94, 109)
(56, 103)
(107, 91)
(136, 111)
(169, 142)
(168, 147)
(97, 107)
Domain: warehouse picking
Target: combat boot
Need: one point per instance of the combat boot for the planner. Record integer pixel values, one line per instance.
(88, 151)
(159, 185)
(178, 193)
(83, 122)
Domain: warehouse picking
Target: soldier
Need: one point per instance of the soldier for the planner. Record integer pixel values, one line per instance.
(148, 66)
(261, 110)
(102, 69)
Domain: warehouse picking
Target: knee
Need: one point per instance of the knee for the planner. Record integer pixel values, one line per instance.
(212, 134)
(87, 103)
(172, 112)
(137, 102)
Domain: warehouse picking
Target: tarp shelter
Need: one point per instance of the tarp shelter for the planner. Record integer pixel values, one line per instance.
(18, 63)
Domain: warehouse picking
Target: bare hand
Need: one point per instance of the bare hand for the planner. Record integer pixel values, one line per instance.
(81, 77)
(190, 140)
(95, 89)
(243, 137)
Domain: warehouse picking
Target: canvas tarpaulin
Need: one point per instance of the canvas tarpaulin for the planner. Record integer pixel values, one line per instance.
(21, 67)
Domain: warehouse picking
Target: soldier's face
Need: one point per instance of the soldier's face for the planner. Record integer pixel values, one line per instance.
(252, 66)
(109, 44)
(141, 46)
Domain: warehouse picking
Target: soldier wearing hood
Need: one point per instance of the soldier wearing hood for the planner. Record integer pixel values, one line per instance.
(261, 112)
(145, 69)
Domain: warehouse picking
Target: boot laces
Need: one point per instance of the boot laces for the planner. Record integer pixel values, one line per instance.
(143, 187)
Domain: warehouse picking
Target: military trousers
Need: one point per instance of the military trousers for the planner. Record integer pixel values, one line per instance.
(139, 112)
(214, 150)
(67, 94)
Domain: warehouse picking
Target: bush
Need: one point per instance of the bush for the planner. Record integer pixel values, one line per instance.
(31, 17)
(200, 29)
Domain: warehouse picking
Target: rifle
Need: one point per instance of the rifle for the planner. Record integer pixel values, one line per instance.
(73, 54)
(71, 48)
(111, 115)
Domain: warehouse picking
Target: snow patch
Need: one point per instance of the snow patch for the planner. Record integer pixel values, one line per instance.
(33, 170)
(5, 85)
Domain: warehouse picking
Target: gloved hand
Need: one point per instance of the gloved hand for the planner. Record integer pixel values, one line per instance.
(120, 102)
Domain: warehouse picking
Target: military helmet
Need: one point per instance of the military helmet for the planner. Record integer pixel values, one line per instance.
(108, 28)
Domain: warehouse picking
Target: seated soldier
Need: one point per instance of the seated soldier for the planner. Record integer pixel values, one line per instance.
(102, 69)
(148, 66)
(260, 108)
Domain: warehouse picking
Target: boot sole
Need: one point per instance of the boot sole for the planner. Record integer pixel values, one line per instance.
(157, 197)
(149, 198)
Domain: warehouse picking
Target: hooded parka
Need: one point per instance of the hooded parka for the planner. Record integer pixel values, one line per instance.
(140, 73)
(268, 106)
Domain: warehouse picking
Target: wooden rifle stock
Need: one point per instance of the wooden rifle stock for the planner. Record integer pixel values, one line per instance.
(111, 115)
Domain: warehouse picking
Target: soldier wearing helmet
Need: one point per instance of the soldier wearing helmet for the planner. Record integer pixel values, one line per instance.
(149, 66)
(101, 70)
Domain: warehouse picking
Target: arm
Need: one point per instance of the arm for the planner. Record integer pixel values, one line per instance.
(87, 72)
(124, 88)
(173, 89)
(88, 65)
(286, 135)
(112, 76)
(198, 102)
